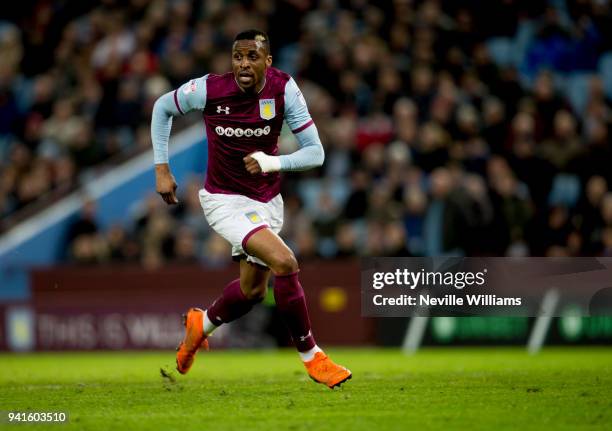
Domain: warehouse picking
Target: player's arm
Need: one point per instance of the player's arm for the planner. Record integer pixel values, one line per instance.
(310, 153)
(188, 97)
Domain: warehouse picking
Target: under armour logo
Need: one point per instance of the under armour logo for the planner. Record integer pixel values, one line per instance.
(303, 337)
(224, 110)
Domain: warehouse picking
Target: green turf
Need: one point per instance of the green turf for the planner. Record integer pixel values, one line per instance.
(436, 389)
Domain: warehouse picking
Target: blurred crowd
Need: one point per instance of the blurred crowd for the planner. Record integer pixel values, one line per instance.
(450, 127)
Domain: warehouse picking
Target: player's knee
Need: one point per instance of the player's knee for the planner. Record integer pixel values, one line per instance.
(285, 263)
(257, 293)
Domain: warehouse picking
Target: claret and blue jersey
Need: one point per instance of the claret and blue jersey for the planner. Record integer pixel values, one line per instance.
(239, 123)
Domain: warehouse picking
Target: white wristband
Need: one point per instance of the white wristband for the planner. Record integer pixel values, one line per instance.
(267, 163)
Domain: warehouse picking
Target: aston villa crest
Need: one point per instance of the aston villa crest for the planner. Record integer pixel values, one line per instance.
(267, 109)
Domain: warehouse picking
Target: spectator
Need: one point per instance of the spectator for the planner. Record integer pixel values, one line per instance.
(432, 137)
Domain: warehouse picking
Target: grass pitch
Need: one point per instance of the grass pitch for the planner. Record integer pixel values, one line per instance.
(435, 389)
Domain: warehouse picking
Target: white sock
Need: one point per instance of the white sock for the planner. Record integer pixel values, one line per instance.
(208, 326)
(309, 355)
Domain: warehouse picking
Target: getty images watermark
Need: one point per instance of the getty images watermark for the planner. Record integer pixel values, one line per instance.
(396, 287)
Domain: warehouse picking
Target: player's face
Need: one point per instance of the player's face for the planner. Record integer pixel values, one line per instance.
(249, 63)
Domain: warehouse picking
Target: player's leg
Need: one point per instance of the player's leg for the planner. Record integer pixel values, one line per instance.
(225, 215)
(288, 292)
(238, 297)
(291, 303)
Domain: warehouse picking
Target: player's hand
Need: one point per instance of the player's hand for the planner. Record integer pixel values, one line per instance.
(166, 184)
(251, 165)
(260, 162)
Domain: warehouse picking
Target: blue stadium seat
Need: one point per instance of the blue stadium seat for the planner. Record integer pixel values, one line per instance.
(565, 191)
(522, 40)
(310, 190)
(576, 88)
(605, 71)
(501, 50)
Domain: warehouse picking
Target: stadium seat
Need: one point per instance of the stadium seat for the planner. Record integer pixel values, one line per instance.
(605, 71)
(502, 50)
(522, 40)
(576, 88)
(310, 191)
(565, 191)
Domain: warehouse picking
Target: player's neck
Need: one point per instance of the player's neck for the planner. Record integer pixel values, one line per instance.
(256, 91)
(263, 84)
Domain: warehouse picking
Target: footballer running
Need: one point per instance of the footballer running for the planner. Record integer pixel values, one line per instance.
(244, 111)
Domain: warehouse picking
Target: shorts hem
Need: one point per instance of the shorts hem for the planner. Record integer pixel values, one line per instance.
(251, 233)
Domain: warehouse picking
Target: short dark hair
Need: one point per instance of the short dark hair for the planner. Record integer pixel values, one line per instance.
(256, 35)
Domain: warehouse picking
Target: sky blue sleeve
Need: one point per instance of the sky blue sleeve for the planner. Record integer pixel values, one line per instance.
(191, 95)
(310, 153)
(188, 97)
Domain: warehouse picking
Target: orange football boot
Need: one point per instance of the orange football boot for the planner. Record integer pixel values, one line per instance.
(323, 370)
(193, 341)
